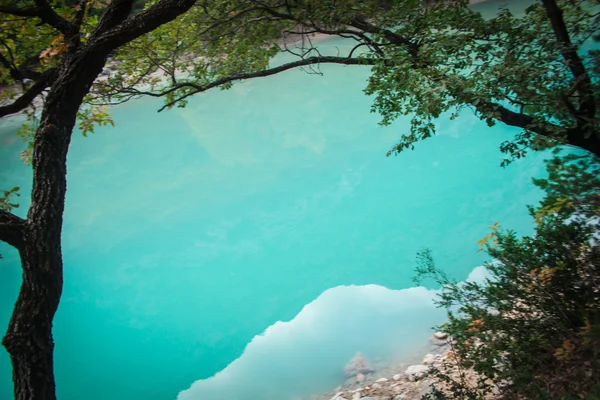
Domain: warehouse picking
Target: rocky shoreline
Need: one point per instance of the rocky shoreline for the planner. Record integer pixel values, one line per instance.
(397, 382)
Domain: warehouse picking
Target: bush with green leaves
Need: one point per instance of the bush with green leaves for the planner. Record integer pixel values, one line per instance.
(531, 330)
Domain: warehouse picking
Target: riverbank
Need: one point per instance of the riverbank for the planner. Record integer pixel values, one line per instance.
(401, 381)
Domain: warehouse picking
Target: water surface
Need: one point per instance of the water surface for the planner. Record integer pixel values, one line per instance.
(270, 208)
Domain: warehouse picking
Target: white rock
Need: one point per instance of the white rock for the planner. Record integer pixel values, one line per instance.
(429, 359)
(376, 386)
(400, 397)
(360, 378)
(356, 396)
(338, 396)
(440, 335)
(397, 377)
(381, 380)
(416, 372)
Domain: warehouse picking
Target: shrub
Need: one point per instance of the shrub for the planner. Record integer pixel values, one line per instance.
(531, 330)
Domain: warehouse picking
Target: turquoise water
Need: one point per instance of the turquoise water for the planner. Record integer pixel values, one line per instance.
(260, 232)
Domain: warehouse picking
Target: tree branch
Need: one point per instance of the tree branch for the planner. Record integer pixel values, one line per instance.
(44, 11)
(12, 69)
(12, 229)
(575, 136)
(139, 24)
(357, 22)
(47, 14)
(196, 88)
(220, 22)
(80, 13)
(27, 98)
(511, 118)
(411, 47)
(117, 12)
(19, 11)
(587, 106)
(18, 74)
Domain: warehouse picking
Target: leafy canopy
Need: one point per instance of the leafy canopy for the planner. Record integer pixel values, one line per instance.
(427, 59)
(537, 71)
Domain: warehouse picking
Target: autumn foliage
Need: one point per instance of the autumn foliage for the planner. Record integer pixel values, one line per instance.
(532, 329)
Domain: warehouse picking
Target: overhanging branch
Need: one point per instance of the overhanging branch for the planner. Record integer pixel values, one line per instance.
(197, 88)
(574, 136)
(44, 11)
(47, 14)
(117, 12)
(587, 105)
(135, 26)
(27, 98)
(411, 47)
(12, 229)
(19, 11)
(512, 118)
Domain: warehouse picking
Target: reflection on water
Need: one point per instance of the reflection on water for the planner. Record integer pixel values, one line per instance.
(307, 355)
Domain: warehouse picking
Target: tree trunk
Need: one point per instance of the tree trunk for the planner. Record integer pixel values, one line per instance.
(29, 337)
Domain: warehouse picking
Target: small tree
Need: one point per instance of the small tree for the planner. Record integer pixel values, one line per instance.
(532, 329)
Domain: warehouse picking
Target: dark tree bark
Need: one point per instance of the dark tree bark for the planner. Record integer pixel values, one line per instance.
(29, 336)
(584, 135)
(29, 339)
(575, 136)
(27, 98)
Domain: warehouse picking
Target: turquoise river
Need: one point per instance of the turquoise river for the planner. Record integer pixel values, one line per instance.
(247, 246)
